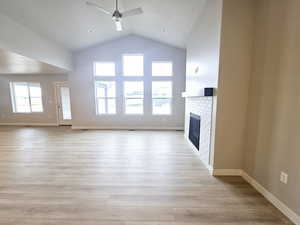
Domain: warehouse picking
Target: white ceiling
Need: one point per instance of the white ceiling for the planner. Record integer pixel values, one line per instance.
(11, 63)
(68, 21)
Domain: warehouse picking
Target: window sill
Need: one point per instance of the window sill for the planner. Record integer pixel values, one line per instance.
(29, 113)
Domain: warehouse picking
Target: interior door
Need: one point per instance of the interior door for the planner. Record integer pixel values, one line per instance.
(63, 103)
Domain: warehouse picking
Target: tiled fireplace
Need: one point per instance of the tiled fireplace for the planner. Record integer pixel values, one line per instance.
(203, 108)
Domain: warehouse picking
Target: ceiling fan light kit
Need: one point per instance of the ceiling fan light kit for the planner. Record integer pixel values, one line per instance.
(118, 25)
(117, 15)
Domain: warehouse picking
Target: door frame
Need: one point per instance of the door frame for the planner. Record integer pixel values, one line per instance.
(60, 121)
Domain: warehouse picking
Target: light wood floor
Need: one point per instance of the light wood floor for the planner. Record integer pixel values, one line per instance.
(55, 176)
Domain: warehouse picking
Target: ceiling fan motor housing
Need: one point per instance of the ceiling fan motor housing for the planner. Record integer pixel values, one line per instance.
(117, 15)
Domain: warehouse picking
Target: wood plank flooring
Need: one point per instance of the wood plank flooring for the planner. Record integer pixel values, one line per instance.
(56, 176)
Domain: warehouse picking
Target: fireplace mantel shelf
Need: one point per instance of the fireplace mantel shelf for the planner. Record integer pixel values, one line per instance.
(186, 95)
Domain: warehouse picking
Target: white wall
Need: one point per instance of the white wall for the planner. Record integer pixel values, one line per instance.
(203, 49)
(19, 39)
(48, 117)
(203, 54)
(82, 84)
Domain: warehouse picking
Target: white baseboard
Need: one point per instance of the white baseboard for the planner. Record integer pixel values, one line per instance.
(227, 172)
(268, 195)
(127, 128)
(30, 124)
(273, 199)
(210, 169)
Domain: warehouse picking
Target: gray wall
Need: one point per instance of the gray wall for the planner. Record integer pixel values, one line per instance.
(48, 117)
(234, 75)
(258, 125)
(273, 127)
(82, 84)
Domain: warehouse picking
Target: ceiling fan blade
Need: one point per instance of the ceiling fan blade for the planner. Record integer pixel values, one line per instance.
(98, 7)
(132, 12)
(119, 26)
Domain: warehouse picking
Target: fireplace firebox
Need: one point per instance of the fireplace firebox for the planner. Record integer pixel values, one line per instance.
(194, 130)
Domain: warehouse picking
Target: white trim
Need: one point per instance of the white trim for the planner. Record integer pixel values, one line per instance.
(273, 199)
(187, 95)
(126, 128)
(209, 168)
(31, 124)
(105, 98)
(28, 85)
(268, 195)
(227, 172)
(57, 86)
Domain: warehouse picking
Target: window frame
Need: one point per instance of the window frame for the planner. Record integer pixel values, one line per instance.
(170, 98)
(162, 61)
(103, 62)
(106, 99)
(61, 101)
(123, 65)
(13, 96)
(125, 98)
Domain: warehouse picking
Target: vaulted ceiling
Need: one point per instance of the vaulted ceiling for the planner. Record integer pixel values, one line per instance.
(75, 25)
(12, 63)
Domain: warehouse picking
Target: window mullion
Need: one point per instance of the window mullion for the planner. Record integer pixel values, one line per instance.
(105, 100)
(29, 96)
(106, 105)
(14, 97)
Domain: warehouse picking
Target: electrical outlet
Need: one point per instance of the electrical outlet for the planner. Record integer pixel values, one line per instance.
(284, 177)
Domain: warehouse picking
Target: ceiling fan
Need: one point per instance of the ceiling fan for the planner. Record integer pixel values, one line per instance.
(117, 15)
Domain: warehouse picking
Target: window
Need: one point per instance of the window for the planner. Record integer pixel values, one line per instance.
(161, 97)
(106, 97)
(133, 65)
(162, 69)
(104, 69)
(134, 97)
(162, 90)
(26, 97)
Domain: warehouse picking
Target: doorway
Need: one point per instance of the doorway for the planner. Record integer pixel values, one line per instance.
(63, 103)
